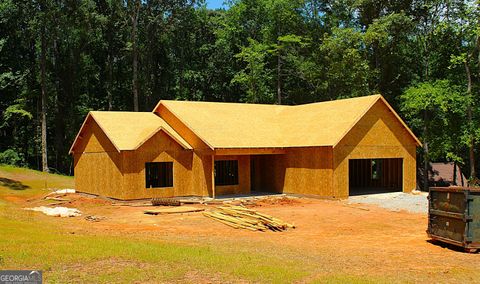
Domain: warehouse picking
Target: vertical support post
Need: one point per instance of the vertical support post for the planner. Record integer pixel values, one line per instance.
(213, 177)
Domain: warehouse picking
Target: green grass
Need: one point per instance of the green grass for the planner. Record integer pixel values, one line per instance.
(30, 242)
(36, 245)
(30, 181)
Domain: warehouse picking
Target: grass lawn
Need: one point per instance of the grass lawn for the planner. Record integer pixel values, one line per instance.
(27, 242)
(66, 257)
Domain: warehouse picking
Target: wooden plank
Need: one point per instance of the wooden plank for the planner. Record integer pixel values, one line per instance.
(175, 210)
(250, 151)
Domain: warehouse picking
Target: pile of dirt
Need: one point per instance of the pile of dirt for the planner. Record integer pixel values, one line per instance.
(269, 201)
(81, 200)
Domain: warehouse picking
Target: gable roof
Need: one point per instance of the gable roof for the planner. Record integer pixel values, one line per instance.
(238, 125)
(129, 130)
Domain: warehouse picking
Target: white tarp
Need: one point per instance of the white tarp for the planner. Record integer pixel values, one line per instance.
(63, 191)
(57, 211)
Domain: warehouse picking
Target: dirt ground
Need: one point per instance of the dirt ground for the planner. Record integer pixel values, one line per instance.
(365, 239)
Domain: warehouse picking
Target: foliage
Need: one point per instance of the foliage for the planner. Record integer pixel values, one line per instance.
(437, 108)
(264, 51)
(255, 78)
(12, 157)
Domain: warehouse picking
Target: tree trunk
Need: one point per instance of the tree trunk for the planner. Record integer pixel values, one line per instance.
(43, 115)
(426, 162)
(58, 95)
(473, 174)
(279, 78)
(454, 173)
(109, 79)
(134, 17)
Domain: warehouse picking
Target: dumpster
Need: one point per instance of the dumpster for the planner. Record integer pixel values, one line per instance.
(454, 216)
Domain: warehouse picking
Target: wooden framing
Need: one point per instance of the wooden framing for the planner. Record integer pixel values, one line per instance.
(107, 163)
(250, 151)
(389, 176)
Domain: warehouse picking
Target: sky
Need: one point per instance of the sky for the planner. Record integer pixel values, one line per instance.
(215, 4)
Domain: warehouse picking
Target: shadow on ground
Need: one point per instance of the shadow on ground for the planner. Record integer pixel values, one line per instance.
(12, 184)
(450, 247)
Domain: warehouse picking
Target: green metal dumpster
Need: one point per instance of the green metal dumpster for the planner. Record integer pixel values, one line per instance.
(454, 216)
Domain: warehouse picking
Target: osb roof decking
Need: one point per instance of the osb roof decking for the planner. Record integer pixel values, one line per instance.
(129, 130)
(237, 125)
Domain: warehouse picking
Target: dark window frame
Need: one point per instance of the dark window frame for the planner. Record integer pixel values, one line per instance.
(158, 174)
(226, 172)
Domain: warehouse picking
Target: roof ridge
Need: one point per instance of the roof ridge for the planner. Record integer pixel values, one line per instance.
(273, 105)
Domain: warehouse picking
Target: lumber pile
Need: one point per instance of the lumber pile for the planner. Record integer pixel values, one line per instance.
(165, 202)
(243, 218)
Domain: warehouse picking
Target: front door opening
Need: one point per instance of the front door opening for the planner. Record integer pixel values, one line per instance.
(368, 176)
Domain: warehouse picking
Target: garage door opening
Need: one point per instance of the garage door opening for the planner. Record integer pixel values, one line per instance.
(369, 176)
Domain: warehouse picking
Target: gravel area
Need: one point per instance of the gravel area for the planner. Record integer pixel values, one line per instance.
(395, 201)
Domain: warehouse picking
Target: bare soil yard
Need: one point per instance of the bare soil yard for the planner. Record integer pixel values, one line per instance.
(335, 241)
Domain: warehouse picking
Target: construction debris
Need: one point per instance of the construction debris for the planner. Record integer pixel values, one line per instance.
(57, 211)
(243, 218)
(165, 202)
(63, 191)
(93, 218)
(183, 209)
(129, 204)
(56, 199)
(59, 192)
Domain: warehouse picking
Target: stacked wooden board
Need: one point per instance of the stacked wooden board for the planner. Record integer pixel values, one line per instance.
(243, 218)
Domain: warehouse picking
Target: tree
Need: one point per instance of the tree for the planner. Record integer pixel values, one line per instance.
(255, 78)
(466, 26)
(340, 51)
(43, 22)
(134, 6)
(432, 108)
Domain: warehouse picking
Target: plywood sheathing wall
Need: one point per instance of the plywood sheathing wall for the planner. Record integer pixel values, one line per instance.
(159, 148)
(304, 170)
(202, 161)
(243, 186)
(100, 169)
(192, 171)
(378, 134)
(98, 165)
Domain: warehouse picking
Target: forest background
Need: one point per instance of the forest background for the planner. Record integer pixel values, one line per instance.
(60, 59)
